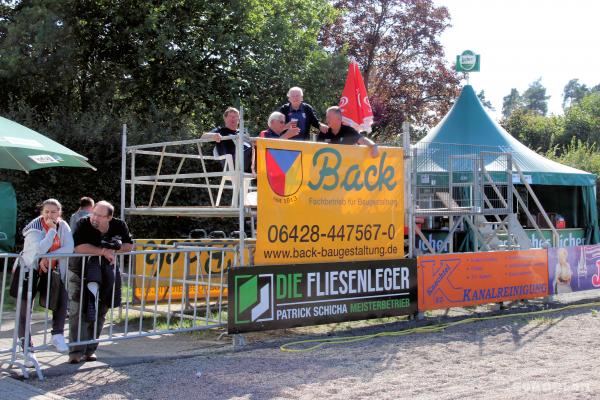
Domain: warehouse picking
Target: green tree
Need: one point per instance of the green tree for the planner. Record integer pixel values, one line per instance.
(511, 102)
(184, 60)
(573, 93)
(580, 155)
(582, 121)
(577, 154)
(535, 131)
(121, 56)
(535, 99)
(485, 102)
(76, 70)
(396, 44)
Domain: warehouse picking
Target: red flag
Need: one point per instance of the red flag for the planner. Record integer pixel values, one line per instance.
(356, 109)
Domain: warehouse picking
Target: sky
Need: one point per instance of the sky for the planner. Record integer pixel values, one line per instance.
(522, 40)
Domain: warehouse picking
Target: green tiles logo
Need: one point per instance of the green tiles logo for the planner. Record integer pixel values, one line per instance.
(254, 298)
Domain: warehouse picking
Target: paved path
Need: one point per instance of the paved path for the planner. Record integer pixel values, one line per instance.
(14, 389)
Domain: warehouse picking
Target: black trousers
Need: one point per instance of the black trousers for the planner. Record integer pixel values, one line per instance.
(84, 330)
(58, 317)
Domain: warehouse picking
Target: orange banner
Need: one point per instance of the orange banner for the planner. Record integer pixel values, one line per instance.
(466, 279)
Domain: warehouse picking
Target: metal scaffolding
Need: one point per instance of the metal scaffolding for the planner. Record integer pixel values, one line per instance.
(212, 185)
(473, 188)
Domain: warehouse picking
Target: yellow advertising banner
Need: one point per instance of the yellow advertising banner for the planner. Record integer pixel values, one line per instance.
(171, 270)
(320, 202)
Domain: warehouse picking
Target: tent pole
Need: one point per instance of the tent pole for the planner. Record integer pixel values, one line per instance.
(408, 203)
(239, 168)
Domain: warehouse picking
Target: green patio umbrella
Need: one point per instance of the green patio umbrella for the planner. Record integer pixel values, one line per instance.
(26, 150)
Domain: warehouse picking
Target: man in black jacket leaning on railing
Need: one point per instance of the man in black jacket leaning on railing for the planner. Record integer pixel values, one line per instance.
(102, 235)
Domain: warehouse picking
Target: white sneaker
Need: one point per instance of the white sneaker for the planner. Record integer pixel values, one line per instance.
(58, 341)
(31, 361)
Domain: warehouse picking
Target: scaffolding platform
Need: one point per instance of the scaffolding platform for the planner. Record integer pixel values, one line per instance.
(199, 212)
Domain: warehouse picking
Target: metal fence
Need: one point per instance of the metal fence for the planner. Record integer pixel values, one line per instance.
(7, 261)
(192, 168)
(460, 179)
(163, 290)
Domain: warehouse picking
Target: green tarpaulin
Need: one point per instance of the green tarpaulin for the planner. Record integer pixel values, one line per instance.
(468, 123)
(468, 128)
(8, 217)
(26, 150)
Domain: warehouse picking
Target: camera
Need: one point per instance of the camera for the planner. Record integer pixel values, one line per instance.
(113, 244)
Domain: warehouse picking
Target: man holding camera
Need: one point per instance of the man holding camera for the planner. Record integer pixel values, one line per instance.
(102, 236)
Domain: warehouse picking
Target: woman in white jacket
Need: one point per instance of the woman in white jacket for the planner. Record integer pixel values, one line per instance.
(48, 234)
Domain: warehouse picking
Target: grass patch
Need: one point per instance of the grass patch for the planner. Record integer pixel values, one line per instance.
(148, 322)
(544, 321)
(10, 303)
(342, 326)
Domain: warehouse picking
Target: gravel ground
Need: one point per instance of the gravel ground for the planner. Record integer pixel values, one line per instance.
(533, 357)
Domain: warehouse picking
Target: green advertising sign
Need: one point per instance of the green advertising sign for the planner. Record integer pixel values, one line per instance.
(8, 216)
(468, 61)
(566, 238)
(286, 296)
(435, 239)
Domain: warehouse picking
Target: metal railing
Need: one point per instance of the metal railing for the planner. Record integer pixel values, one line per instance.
(460, 179)
(7, 261)
(452, 184)
(163, 291)
(209, 180)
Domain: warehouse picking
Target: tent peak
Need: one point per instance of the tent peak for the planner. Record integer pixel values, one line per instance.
(468, 123)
